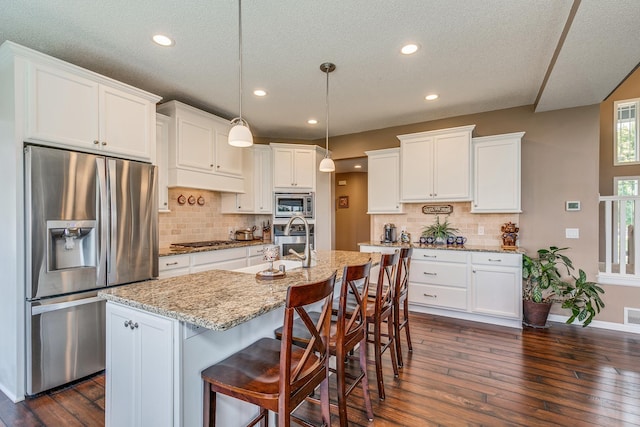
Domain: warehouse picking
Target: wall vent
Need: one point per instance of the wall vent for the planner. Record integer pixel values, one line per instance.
(632, 316)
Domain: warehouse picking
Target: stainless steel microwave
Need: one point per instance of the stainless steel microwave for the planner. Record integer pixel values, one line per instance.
(287, 205)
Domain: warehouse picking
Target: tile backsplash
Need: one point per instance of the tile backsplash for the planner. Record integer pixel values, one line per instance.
(191, 223)
(461, 218)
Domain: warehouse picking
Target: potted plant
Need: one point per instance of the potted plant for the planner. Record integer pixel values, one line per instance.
(544, 284)
(439, 231)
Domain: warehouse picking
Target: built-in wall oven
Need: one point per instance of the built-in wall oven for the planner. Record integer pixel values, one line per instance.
(287, 205)
(295, 240)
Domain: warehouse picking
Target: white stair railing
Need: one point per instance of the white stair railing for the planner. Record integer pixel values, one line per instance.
(621, 261)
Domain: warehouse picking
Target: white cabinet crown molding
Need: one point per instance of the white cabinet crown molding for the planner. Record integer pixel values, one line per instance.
(421, 135)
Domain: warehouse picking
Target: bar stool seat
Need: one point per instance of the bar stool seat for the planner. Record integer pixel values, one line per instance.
(278, 375)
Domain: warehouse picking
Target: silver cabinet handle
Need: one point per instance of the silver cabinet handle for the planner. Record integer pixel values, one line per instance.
(171, 263)
(126, 323)
(494, 260)
(135, 325)
(430, 296)
(430, 256)
(104, 142)
(96, 142)
(218, 166)
(430, 274)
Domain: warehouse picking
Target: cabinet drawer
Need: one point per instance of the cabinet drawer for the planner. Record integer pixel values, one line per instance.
(217, 256)
(379, 249)
(173, 262)
(439, 273)
(439, 255)
(438, 296)
(498, 259)
(256, 250)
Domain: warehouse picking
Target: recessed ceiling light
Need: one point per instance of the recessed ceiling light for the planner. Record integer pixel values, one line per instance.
(260, 92)
(357, 166)
(409, 49)
(431, 97)
(312, 121)
(162, 40)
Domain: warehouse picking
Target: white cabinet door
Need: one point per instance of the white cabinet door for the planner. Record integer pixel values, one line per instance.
(126, 125)
(304, 168)
(263, 176)
(496, 291)
(61, 107)
(417, 169)
(195, 144)
(283, 168)
(228, 158)
(383, 181)
(435, 165)
(496, 173)
(496, 283)
(140, 368)
(294, 168)
(162, 152)
(452, 166)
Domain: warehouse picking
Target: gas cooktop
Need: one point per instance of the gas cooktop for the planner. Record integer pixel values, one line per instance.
(203, 244)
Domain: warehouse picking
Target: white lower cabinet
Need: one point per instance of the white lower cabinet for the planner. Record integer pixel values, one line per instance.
(473, 285)
(438, 278)
(496, 284)
(221, 259)
(139, 363)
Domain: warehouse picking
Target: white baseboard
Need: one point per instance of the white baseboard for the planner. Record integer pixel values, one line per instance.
(599, 324)
(10, 395)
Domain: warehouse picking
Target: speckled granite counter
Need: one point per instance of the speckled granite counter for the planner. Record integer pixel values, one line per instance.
(496, 249)
(219, 299)
(177, 250)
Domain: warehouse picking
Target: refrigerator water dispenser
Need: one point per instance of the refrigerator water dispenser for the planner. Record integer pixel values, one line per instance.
(71, 244)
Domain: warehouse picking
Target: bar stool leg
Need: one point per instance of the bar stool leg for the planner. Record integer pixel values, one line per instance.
(365, 380)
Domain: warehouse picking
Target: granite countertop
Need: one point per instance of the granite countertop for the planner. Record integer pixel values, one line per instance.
(178, 250)
(469, 248)
(220, 299)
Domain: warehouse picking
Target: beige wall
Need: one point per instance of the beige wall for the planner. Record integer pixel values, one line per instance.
(193, 223)
(352, 223)
(560, 152)
(629, 89)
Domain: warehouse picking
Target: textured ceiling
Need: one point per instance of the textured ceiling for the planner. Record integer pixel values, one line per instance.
(477, 55)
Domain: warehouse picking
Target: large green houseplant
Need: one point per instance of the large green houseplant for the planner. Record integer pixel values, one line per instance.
(544, 284)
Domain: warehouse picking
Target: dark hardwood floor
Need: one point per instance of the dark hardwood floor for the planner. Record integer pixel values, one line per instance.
(460, 373)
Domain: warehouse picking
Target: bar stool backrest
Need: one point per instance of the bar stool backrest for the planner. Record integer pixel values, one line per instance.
(402, 274)
(351, 322)
(386, 282)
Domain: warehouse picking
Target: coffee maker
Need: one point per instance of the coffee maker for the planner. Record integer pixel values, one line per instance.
(390, 235)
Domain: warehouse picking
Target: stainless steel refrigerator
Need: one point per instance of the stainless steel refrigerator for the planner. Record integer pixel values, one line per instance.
(91, 222)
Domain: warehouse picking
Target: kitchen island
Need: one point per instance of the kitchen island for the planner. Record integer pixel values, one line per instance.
(161, 334)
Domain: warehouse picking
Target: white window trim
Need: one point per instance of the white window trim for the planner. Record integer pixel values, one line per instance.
(615, 131)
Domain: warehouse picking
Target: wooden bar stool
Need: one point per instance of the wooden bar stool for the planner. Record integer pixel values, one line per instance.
(347, 332)
(401, 303)
(380, 311)
(278, 375)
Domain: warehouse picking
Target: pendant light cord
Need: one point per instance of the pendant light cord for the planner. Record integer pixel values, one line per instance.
(327, 107)
(240, 57)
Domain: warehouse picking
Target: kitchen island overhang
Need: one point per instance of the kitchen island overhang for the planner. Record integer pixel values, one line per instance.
(206, 316)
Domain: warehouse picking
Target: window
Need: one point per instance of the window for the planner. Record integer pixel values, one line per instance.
(625, 186)
(625, 132)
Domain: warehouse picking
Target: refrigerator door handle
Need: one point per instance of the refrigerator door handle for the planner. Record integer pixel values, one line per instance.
(35, 310)
(104, 218)
(113, 218)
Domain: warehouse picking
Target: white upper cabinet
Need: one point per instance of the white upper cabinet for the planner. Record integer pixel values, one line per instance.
(162, 151)
(199, 153)
(294, 168)
(435, 165)
(496, 173)
(258, 191)
(67, 107)
(384, 181)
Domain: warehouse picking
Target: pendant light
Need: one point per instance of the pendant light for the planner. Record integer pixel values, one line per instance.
(240, 134)
(327, 165)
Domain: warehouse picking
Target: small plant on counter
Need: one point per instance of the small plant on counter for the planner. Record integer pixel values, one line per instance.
(439, 231)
